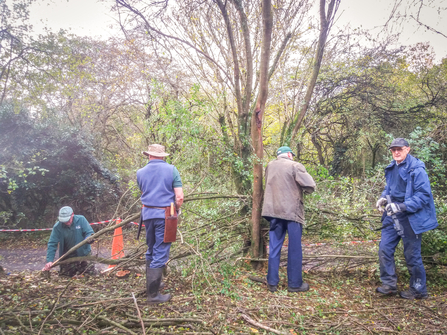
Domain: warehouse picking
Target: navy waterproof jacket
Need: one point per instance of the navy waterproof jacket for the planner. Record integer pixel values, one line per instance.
(418, 197)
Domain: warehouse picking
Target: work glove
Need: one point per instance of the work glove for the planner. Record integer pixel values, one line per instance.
(394, 208)
(380, 203)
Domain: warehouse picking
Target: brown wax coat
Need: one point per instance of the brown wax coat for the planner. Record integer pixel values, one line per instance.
(285, 182)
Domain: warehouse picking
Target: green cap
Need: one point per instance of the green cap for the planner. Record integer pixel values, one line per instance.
(65, 214)
(284, 150)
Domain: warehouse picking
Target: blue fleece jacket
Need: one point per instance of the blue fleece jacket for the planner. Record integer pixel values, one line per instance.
(418, 197)
(157, 181)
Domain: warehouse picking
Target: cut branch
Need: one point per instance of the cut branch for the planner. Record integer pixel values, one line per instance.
(260, 325)
(116, 324)
(237, 196)
(139, 314)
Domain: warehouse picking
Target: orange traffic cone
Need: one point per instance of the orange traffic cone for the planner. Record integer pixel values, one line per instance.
(117, 243)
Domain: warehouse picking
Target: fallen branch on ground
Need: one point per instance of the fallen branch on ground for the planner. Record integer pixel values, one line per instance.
(260, 325)
(53, 308)
(116, 324)
(139, 314)
(307, 257)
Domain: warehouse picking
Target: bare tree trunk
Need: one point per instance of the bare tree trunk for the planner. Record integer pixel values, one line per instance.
(256, 129)
(243, 100)
(313, 138)
(374, 149)
(325, 23)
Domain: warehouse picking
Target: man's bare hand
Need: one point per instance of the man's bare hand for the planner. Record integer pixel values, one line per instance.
(178, 197)
(47, 266)
(90, 240)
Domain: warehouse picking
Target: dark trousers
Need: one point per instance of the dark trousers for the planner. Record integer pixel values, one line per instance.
(72, 269)
(157, 251)
(277, 233)
(412, 253)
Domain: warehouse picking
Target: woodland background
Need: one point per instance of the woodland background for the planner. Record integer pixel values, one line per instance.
(221, 84)
(75, 113)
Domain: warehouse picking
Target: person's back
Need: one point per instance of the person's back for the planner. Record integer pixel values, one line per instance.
(156, 184)
(283, 207)
(160, 186)
(285, 182)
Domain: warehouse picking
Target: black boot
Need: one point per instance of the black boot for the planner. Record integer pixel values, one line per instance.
(411, 294)
(387, 290)
(153, 280)
(272, 288)
(303, 288)
(148, 264)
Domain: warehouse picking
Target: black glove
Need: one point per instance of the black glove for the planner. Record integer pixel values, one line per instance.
(90, 241)
(395, 207)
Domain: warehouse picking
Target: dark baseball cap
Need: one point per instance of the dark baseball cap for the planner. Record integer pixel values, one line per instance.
(398, 142)
(284, 150)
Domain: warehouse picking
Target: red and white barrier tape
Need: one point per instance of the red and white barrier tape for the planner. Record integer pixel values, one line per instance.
(26, 229)
(42, 229)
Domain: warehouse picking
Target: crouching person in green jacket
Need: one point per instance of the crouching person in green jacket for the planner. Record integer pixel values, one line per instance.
(67, 232)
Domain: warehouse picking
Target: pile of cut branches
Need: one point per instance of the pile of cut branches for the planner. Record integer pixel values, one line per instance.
(228, 301)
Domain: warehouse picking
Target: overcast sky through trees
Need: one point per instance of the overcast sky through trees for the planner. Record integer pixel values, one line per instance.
(92, 18)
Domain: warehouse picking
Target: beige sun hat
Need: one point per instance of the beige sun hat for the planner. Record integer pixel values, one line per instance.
(156, 150)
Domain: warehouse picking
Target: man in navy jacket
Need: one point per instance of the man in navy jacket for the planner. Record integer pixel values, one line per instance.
(412, 203)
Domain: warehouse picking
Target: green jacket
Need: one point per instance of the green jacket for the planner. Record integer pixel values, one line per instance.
(68, 237)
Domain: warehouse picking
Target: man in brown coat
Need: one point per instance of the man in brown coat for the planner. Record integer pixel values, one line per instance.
(286, 181)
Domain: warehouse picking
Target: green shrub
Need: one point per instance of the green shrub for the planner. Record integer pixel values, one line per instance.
(45, 165)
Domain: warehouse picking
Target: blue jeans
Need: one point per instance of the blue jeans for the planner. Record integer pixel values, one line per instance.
(412, 252)
(277, 233)
(157, 251)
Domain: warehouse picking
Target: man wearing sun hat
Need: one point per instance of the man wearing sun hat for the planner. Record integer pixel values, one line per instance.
(412, 204)
(285, 183)
(70, 230)
(160, 185)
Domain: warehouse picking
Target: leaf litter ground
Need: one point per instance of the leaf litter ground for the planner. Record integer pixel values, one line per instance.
(227, 301)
